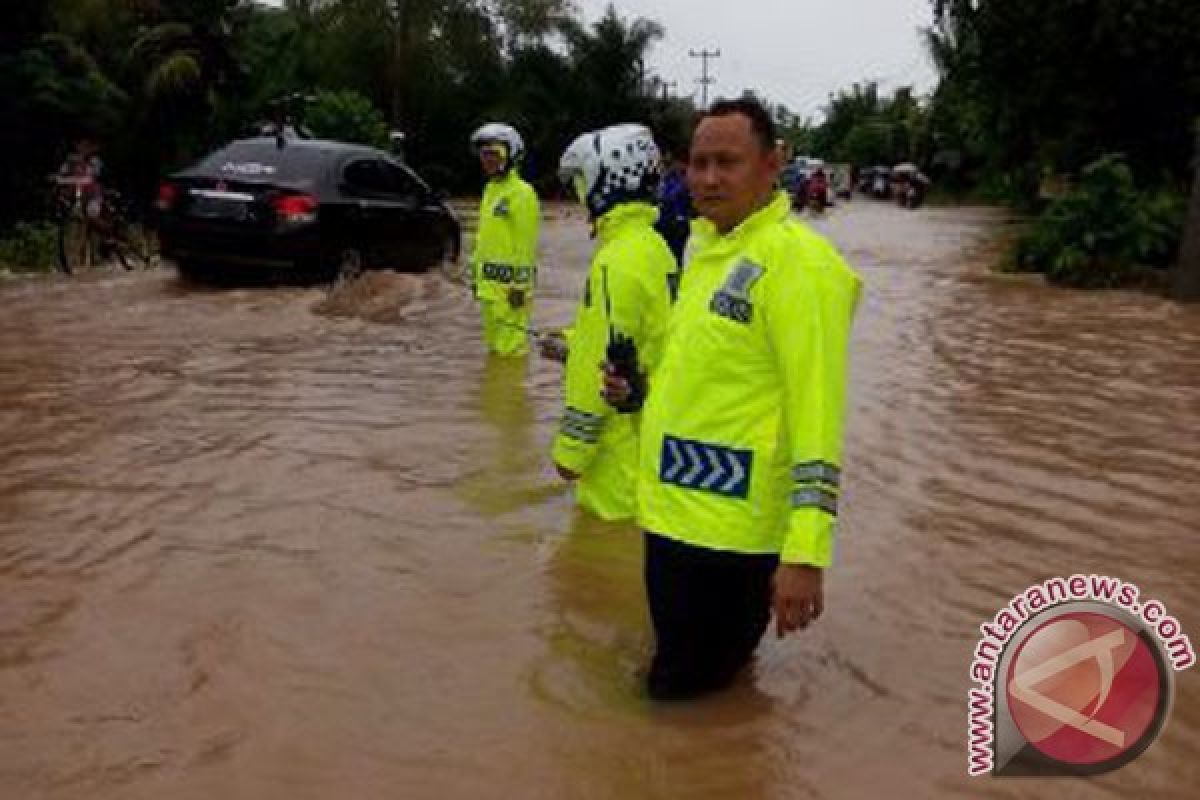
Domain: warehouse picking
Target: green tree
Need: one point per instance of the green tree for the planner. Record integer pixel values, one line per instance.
(1028, 86)
(346, 116)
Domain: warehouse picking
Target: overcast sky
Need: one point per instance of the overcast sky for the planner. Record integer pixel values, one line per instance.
(795, 52)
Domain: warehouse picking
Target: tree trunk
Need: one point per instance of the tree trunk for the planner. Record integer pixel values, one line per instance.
(1186, 284)
(399, 59)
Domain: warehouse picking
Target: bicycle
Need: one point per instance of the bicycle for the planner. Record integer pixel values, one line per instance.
(93, 228)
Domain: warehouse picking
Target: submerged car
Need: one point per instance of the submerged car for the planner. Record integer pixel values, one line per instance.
(270, 205)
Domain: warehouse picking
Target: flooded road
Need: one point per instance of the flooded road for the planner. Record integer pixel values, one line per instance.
(248, 550)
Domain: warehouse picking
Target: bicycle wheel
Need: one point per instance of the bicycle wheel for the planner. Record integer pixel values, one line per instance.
(74, 245)
(131, 251)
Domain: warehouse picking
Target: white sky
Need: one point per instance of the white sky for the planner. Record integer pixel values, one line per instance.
(795, 52)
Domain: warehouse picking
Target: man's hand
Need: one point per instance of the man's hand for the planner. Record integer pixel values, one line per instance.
(798, 597)
(516, 298)
(553, 347)
(616, 389)
(567, 475)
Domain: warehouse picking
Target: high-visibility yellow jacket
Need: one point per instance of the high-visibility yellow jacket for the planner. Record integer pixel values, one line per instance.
(742, 430)
(505, 252)
(628, 290)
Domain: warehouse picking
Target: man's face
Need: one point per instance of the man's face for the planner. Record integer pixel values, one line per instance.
(730, 173)
(491, 159)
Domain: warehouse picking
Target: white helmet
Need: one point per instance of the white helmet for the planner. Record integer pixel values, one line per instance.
(619, 164)
(499, 133)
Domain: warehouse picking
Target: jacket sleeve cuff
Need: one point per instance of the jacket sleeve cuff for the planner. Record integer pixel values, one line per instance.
(810, 538)
(572, 453)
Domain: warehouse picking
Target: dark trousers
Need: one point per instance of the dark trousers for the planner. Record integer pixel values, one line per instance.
(709, 609)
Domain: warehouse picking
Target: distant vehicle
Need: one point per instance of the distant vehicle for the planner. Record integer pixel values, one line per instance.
(909, 185)
(876, 181)
(792, 179)
(841, 183)
(795, 177)
(303, 206)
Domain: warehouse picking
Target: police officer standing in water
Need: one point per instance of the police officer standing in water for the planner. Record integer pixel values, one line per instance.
(613, 173)
(741, 432)
(504, 262)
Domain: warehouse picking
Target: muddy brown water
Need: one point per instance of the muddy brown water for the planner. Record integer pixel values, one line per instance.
(248, 550)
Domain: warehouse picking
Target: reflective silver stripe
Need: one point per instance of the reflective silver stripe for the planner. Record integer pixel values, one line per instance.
(811, 497)
(507, 273)
(581, 425)
(817, 472)
(583, 418)
(570, 431)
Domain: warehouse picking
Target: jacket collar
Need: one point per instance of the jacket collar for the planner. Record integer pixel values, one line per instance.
(509, 176)
(618, 218)
(775, 211)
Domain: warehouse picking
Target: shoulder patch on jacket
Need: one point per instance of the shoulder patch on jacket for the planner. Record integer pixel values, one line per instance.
(732, 299)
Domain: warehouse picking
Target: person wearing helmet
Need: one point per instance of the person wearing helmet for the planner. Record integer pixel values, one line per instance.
(614, 174)
(503, 263)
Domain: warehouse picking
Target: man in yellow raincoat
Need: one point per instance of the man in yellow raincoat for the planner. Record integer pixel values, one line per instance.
(741, 433)
(503, 265)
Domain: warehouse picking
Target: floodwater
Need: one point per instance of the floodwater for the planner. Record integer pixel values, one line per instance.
(250, 550)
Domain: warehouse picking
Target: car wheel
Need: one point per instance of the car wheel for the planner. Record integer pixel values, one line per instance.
(350, 264)
(193, 272)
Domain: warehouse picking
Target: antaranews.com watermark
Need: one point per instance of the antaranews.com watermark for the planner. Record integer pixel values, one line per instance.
(1073, 677)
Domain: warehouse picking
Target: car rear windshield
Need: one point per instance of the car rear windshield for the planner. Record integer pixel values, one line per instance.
(263, 162)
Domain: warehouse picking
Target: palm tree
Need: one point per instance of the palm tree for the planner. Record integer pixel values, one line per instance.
(187, 57)
(608, 64)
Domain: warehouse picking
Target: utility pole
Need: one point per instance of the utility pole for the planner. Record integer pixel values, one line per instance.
(667, 86)
(705, 80)
(1186, 281)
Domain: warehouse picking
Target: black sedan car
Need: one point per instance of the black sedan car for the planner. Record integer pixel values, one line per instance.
(302, 206)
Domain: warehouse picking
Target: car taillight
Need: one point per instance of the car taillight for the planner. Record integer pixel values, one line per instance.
(296, 208)
(168, 193)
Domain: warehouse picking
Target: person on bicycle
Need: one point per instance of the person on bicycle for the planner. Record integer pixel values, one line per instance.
(84, 163)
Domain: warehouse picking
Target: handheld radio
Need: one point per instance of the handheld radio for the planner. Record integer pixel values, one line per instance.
(622, 357)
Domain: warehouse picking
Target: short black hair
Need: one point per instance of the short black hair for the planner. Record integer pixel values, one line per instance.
(760, 119)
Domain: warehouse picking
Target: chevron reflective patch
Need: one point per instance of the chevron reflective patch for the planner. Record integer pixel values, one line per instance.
(707, 467)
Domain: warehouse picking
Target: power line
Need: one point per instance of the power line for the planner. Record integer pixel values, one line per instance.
(704, 80)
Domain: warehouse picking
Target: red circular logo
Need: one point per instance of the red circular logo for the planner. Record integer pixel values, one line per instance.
(1085, 689)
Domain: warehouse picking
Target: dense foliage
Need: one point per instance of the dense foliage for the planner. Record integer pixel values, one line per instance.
(1027, 91)
(157, 82)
